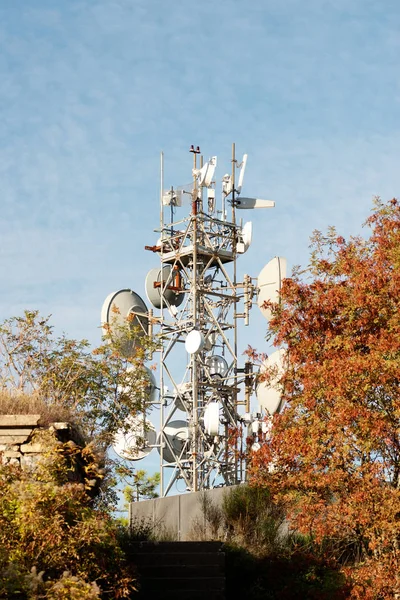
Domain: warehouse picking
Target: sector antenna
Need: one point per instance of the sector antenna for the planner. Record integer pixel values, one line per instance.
(198, 305)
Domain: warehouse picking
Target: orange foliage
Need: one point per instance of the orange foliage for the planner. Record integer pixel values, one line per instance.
(335, 447)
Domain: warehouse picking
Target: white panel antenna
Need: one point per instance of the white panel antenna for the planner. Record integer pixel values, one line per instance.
(269, 394)
(172, 198)
(211, 419)
(269, 283)
(241, 174)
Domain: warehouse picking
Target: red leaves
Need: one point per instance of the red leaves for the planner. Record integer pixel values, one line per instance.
(336, 447)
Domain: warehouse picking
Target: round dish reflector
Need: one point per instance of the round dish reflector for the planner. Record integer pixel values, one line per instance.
(194, 341)
(269, 394)
(177, 434)
(132, 383)
(217, 366)
(183, 393)
(135, 442)
(211, 418)
(116, 309)
(153, 284)
(269, 284)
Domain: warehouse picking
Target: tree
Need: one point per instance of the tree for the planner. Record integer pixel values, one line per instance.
(142, 486)
(333, 457)
(95, 388)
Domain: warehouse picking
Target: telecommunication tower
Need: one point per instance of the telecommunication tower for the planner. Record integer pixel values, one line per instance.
(204, 391)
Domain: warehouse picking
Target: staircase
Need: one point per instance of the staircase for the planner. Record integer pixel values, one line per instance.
(180, 570)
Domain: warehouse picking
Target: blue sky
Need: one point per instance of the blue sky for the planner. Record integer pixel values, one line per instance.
(92, 90)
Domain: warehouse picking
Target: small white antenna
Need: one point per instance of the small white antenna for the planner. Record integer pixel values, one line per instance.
(241, 174)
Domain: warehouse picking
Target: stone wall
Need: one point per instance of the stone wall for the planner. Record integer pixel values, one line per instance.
(20, 442)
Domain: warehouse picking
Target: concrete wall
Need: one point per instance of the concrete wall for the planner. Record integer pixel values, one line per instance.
(176, 515)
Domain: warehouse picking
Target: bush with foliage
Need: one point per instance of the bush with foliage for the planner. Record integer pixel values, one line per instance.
(53, 543)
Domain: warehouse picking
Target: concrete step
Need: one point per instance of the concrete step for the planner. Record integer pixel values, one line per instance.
(173, 571)
(179, 560)
(177, 547)
(180, 570)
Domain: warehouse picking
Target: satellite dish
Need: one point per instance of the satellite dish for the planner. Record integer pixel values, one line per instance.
(178, 435)
(247, 203)
(217, 366)
(269, 394)
(206, 173)
(269, 283)
(117, 308)
(211, 419)
(135, 442)
(150, 390)
(194, 341)
(241, 174)
(184, 390)
(153, 284)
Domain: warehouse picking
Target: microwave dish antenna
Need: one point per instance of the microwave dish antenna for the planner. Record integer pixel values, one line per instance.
(217, 366)
(269, 283)
(131, 385)
(176, 442)
(119, 309)
(135, 441)
(269, 394)
(194, 341)
(163, 282)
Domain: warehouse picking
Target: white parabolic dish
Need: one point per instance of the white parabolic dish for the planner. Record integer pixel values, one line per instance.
(177, 433)
(136, 443)
(117, 307)
(269, 283)
(194, 341)
(269, 394)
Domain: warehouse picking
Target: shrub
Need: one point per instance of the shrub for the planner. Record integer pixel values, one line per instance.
(47, 529)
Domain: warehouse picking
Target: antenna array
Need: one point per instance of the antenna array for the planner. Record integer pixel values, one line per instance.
(200, 304)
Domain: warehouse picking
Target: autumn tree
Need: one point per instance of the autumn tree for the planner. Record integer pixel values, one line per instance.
(333, 456)
(99, 388)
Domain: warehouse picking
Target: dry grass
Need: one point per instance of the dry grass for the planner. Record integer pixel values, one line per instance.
(31, 404)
